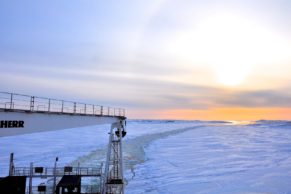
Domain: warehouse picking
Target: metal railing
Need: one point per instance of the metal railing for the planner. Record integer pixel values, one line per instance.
(85, 189)
(12, 101)
(59, 171)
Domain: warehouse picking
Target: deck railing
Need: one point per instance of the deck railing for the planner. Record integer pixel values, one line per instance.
(86, 189)
(59, 171)
(12, 101)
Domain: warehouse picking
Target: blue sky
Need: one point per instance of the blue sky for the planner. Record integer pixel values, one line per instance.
(149, 55)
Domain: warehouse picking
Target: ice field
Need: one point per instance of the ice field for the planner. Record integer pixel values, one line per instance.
(173, 156)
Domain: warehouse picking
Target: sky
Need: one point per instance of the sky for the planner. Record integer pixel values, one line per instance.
(162, 59)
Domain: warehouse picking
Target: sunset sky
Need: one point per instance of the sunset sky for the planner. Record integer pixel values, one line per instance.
(159, 59)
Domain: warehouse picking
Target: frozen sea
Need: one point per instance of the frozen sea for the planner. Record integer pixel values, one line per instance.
(173, 156)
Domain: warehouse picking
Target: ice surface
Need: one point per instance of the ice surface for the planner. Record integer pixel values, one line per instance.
(72, 145)
(173, 156)
(217, 159)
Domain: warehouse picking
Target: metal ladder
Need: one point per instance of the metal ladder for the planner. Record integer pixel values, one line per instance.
(114, 180)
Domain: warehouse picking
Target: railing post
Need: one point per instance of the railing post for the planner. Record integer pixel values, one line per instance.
(49, 105)
(32, 103)
(30, 178)
(11, 164)
(93, 109)
(101, 111)
(55, 175)
(85, 109)
(78, 171)
(108, 113)
(62, 106)
(75, 106)
(11, 100)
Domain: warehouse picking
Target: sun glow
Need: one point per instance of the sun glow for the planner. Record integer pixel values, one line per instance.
(229, 41)
(231, 46)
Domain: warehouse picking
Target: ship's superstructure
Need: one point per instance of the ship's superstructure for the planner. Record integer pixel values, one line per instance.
(21, 114)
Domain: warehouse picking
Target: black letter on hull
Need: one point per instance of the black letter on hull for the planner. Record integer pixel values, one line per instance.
(21, 124)
(11, 124)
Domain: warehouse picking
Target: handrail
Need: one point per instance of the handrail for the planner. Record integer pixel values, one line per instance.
(59, 171)
(88, 189)
(13, 101)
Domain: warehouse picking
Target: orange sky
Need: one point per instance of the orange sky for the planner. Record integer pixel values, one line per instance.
(235, 113)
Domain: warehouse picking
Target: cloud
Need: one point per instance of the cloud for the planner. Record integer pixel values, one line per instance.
(263, 98)
(134, 90)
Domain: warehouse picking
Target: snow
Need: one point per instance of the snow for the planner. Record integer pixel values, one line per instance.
(173, 156)
(217, 159)
(71, 144)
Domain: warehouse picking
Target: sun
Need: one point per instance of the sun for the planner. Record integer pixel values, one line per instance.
(229, 41)
(230, 74)
(225, 43)
(231, 47)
